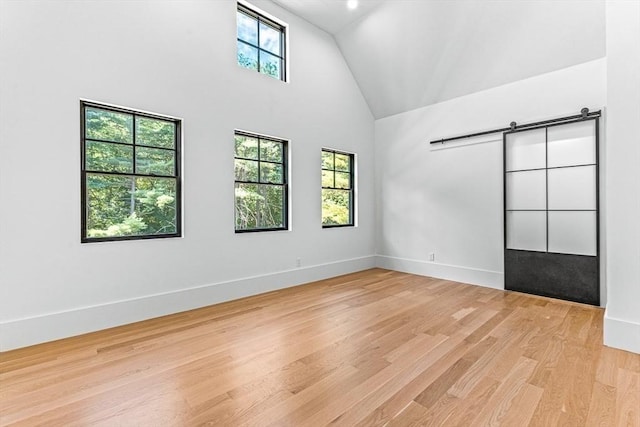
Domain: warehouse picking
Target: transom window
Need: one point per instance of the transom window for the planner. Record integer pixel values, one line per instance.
(130, 174)
(337, 188)
(261, 188)
(261, 43)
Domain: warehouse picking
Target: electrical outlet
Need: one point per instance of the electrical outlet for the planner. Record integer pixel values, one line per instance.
(298, 262)
(432, 256)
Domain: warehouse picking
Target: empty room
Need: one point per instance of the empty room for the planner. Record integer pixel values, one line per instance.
(320, 212)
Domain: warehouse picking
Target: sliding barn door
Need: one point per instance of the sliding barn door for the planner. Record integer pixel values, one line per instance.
(551, 211)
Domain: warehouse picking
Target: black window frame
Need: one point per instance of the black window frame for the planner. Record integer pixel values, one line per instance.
(352, 186)
(84, 171)
(261, 18)
(284, 184)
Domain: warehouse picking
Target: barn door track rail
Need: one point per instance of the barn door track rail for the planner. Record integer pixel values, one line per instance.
(584, 114)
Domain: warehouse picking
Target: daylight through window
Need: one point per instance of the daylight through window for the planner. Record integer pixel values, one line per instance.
(337, 188)
(261, 43)
(130, 174)
(261, 187)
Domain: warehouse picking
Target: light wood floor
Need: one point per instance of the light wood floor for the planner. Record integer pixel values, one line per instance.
(371, 348)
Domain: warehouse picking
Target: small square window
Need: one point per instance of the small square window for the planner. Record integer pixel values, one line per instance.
(261, 43)
(338, 190)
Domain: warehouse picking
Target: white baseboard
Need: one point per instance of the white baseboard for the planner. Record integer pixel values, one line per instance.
(474, 276)
(53, 326)
(621, 334)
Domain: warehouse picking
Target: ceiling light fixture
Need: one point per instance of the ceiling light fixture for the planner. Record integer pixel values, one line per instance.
(352, 4)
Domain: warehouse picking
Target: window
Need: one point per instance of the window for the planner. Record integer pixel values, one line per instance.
(261, 190)
(130, 174)
(337, 188)
(261, 43)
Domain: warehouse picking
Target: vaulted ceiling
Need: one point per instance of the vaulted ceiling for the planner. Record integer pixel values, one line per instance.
(330, 15)
(406, 54)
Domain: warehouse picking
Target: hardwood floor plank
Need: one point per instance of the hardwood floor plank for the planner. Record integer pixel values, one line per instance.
(478, 371)
(524, 404)
(505, 401)
(446, 411)
(608, 367)
(628, 398)
(386, 379)
(553, 401)
(602, 406)
(444, 382)
(411, 416)
(445, 354)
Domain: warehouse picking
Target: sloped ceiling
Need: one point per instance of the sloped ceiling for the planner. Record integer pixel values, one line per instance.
(329, 15)
(406, 54)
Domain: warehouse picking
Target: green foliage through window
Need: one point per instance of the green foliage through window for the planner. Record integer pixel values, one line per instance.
(337, 188)
(130, 174)
(260, 43)
(260, 183)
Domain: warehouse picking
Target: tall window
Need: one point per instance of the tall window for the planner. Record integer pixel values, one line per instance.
(261, 189)
(130, 174)
(337, 188)
(261, 43)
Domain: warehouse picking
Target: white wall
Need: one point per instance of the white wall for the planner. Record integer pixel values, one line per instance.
(447, 199)
(622, 318)
(175, 58)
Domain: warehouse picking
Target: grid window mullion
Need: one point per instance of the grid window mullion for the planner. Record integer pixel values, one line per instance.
(259, 160)
(334, 169)
(279, 56)
(259, 66)
(546, 182)
(135, 167)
